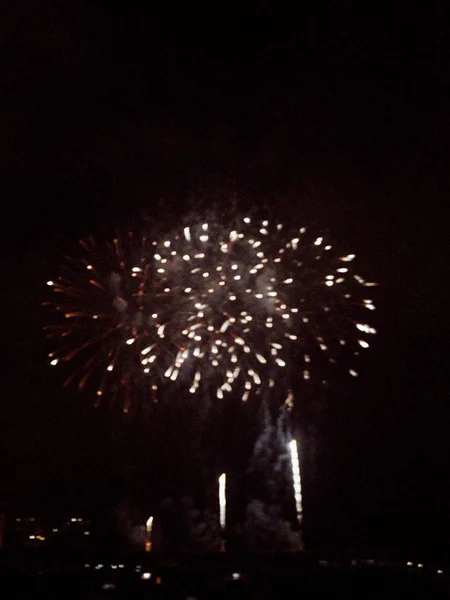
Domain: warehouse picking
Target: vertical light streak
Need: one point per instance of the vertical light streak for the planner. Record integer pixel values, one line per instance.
(149, 528)
(222, 506)
(297, 480)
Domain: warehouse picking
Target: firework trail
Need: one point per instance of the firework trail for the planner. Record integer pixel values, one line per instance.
(231, 307)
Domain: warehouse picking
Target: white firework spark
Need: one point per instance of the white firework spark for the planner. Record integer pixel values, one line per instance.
(230, 307)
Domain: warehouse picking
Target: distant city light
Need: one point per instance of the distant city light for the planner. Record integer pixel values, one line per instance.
(146, 576)
(108, 586)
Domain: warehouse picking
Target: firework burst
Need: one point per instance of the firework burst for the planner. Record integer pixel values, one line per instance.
(249, 297)
(231, 308)
(108, 304)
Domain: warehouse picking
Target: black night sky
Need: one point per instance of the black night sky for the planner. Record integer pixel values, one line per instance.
(341, 117)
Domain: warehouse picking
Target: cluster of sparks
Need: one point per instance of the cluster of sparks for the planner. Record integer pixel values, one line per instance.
(231, 307)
